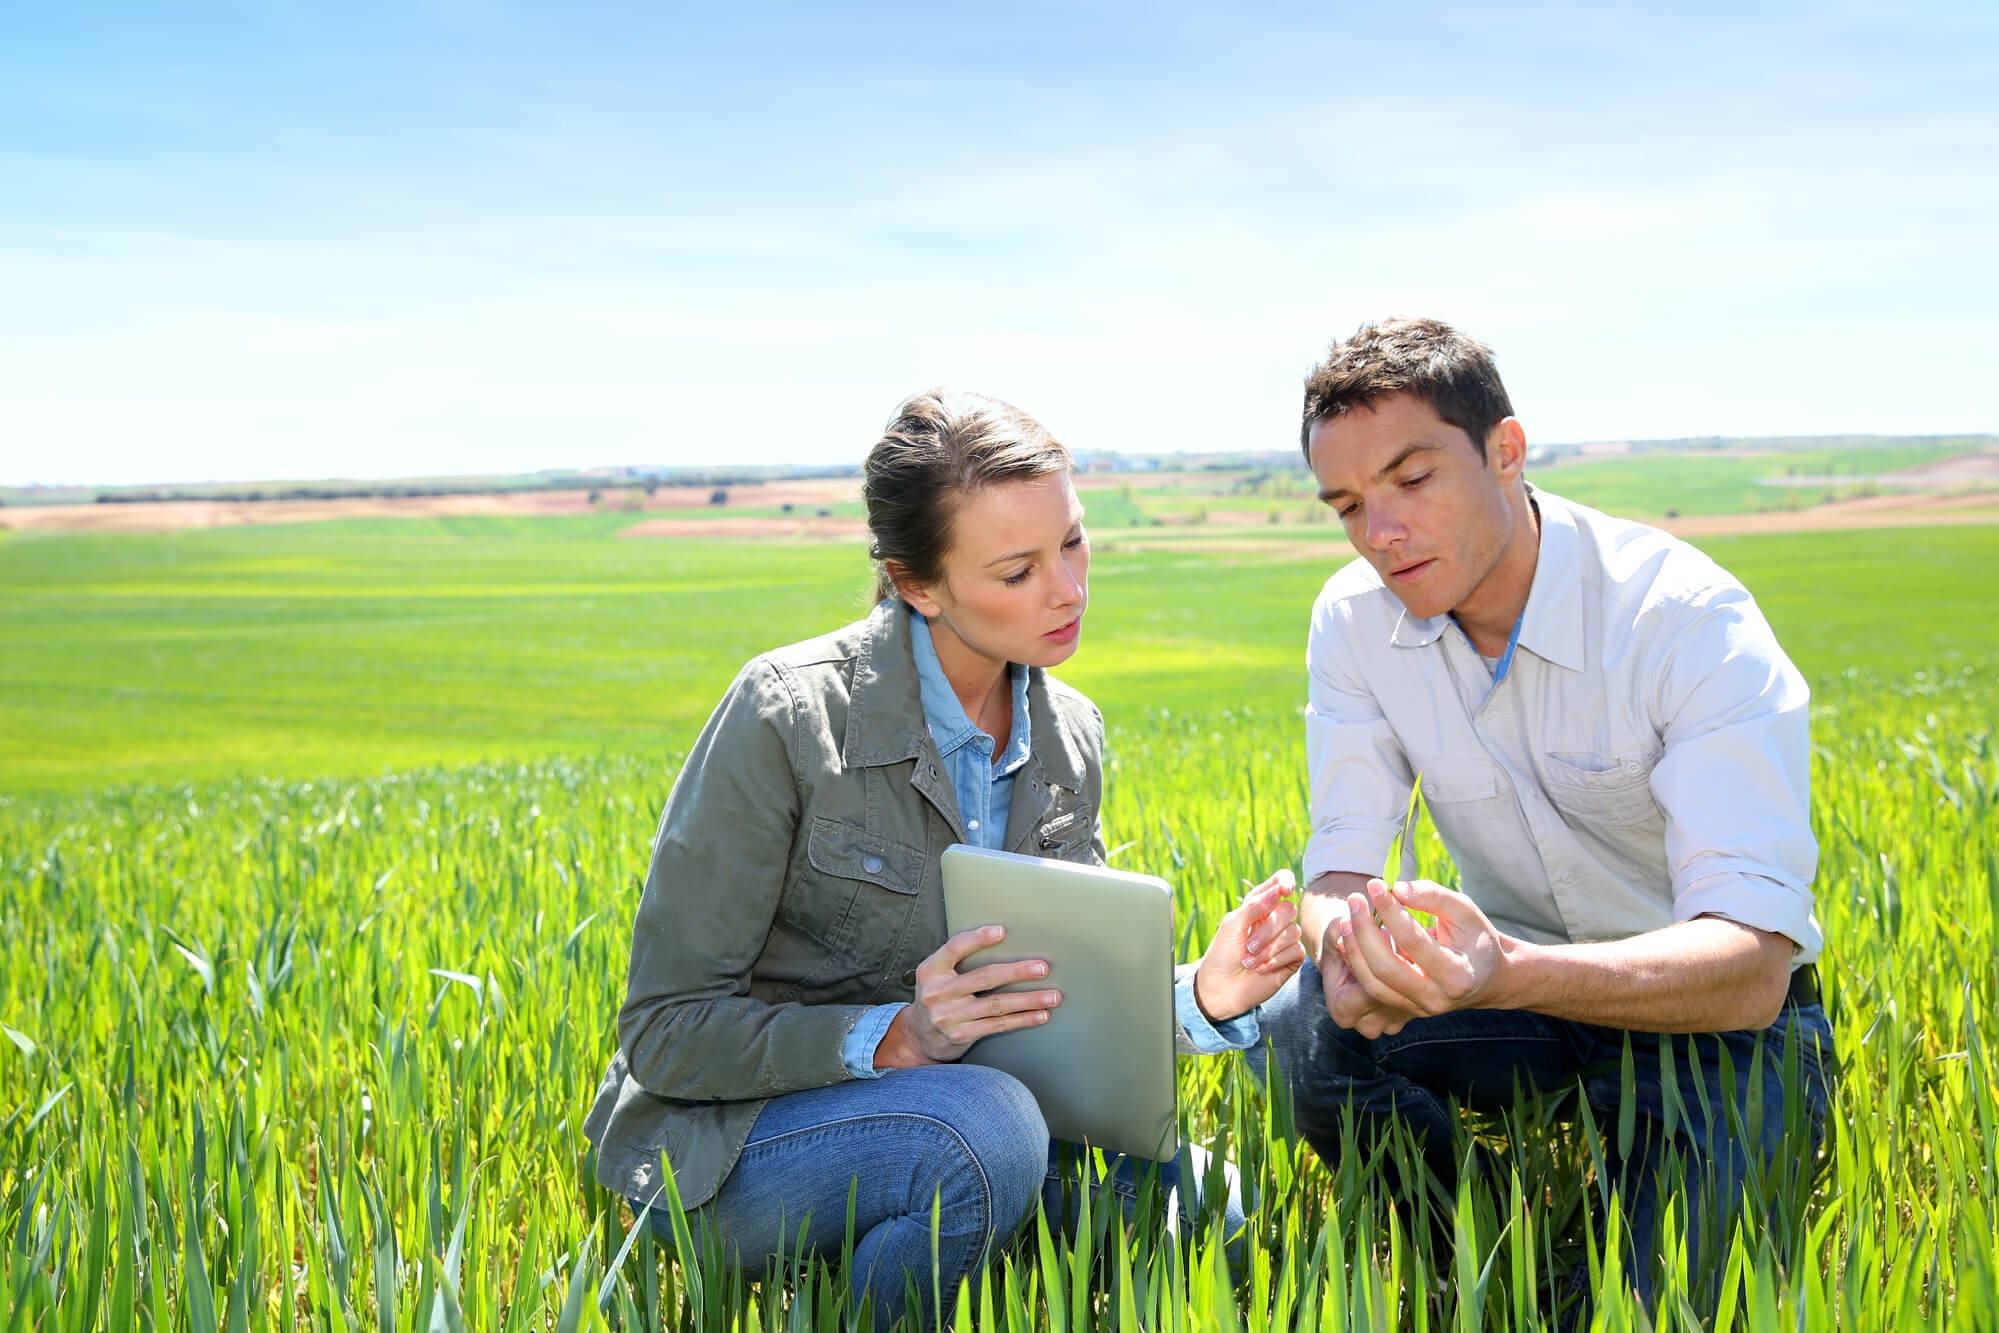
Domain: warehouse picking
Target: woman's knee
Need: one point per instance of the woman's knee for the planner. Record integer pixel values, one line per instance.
(998, 1125)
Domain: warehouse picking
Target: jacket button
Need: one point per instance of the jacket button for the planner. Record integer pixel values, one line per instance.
(872, 864)
(909, 977)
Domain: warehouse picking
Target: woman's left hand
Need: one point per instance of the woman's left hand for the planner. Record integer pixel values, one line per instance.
(1254, 952)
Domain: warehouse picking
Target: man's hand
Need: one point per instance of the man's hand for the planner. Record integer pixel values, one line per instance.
(953, 1009)
(1323, 915)
(1457, 964)
(1254, 952)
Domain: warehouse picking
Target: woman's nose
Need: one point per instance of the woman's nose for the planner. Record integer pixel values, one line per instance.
(1068, 585)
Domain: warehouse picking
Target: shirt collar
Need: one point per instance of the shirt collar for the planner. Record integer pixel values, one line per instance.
(950, 726)
(1551, 627)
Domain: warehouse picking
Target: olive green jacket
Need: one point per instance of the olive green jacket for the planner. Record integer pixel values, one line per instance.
(795, 883)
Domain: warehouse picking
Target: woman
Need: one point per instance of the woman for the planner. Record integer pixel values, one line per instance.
(794, 1012)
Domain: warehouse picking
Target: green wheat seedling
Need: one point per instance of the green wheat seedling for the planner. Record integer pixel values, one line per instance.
(1391, 865)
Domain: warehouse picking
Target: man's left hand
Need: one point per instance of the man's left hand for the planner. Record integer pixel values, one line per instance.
(1460, 963)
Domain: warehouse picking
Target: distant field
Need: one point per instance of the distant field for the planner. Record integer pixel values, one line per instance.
(298, 1031)
(1275, 496)
(345, 648)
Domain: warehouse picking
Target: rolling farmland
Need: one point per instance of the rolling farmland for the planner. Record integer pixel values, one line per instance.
(319, 845)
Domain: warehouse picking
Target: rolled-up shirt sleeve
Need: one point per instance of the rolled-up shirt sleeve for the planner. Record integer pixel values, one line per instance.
(1734, 781)
(1195, 1034)
(857, 1052)
(1360, 776)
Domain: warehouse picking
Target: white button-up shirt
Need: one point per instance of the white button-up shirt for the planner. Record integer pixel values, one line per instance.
(1644, 759)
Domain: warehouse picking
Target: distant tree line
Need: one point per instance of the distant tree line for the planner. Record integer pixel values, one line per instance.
(417, 490)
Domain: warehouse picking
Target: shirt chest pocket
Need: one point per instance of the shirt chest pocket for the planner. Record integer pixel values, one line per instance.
(859, 892)
(1461, 793)
(1602, 789)
(1452, 781)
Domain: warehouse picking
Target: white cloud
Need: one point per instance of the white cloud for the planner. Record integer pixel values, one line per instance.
(1652, 245)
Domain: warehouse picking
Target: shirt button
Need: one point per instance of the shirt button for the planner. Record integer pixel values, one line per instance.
(872, 864)
(972, 824)
(1633, 766)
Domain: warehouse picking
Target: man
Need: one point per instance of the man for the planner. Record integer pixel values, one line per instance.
(1613, 748)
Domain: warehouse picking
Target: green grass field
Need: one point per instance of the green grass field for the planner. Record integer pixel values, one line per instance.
(319, 845)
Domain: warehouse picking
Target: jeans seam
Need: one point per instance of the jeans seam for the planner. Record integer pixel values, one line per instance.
(1383, 1055)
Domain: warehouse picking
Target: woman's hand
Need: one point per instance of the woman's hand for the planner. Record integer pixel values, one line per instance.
(952, 1009)
(1255, 950)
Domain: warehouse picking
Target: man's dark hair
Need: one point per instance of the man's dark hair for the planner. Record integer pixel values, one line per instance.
(1449, 372)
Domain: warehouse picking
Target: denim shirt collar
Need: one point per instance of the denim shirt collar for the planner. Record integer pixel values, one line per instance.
(950, 726)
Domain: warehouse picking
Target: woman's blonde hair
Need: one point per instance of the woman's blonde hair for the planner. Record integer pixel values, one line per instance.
(939, 447)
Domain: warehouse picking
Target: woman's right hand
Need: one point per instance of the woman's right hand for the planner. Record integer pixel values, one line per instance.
(952, 1009)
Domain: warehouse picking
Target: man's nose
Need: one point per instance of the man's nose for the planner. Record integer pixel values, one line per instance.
(1384, 527)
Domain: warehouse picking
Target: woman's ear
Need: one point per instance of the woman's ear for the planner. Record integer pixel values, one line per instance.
(907, 588)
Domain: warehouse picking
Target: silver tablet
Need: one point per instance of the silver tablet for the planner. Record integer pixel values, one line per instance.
(1102, 1065)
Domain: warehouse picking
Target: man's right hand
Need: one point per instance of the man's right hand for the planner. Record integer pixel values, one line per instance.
(1348, 1003)
(952, 1009)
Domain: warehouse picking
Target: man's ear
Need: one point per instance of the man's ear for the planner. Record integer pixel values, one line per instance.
(907, 588)
(1506, 449)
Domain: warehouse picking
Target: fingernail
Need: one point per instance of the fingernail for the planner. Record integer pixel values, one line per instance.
(1041, 1016)
(1040, 969)
(995, 932)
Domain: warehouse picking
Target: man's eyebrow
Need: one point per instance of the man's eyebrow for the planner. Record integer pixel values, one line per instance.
(1332, 493)
(1077, 522)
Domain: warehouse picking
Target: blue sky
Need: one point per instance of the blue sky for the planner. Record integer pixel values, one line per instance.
(264, 240)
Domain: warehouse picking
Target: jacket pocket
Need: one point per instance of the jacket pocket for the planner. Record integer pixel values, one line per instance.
(860, 892)
(1613, 789)
(1066, 834)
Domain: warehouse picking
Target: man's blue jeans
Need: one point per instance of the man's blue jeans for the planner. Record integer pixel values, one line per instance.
(966, 1138)
(1725, 1125)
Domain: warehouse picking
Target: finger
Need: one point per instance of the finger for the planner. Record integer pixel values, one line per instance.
(1411, 940)
(1280, 939)
(958, 948)
(960, 1016)
(1287, 958)
(1256, 905)
(1281, 881)
(990, 977)
(1427, 896)
(1390, 978)
(1280, 922)
(992, 1027)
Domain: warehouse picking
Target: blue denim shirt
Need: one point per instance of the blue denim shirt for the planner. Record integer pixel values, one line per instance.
(984, 789)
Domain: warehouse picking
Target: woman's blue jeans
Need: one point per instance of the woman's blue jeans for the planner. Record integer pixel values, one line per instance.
(966, 1139)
